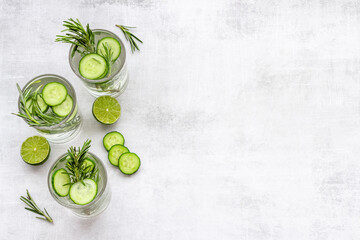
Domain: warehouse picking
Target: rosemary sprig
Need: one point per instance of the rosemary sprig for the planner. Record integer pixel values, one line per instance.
(76, 169)
(31, 112)
(107, 54)
(130, 37)
(32, 207)
(78, 36)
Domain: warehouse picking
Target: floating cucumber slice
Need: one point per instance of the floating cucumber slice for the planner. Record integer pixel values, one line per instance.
(83, 192)
(93, 66)
(54, 93)
(58, 180)
(112, 43)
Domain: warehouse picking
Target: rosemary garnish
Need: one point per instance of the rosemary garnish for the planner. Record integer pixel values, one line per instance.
(30, 109)
(107, 54)
(130, 37)
(76, 169)
(28, 200)
(78, 36)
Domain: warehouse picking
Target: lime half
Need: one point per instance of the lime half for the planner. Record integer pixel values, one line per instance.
(106, 109)
(35, 150)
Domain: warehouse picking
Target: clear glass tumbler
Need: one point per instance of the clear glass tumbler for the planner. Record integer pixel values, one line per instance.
(113, 85)
(70, 126)
(102, 199)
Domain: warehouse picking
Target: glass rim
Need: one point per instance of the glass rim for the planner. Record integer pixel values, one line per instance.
(75, 206)
(51, 127)
(103, 79)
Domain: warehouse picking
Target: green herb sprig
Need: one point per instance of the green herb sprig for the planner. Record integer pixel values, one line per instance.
(107, 54)
(78, 36)
(131, 38)
(76, 169)
(32, 207)
(30, 109)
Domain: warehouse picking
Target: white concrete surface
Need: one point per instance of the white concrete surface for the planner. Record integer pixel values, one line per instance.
(246, 115)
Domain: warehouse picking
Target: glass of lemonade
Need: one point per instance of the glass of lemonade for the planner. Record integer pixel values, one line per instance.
(99, 202)
(116, 81)
(68, 119)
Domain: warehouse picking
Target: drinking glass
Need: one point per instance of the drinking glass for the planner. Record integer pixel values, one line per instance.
(70, 126)
(112, 85)
(102, 199)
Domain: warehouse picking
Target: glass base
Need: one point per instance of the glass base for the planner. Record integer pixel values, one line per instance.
(62, 137)
(112, 93)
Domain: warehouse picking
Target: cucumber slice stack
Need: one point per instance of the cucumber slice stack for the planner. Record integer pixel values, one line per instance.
(119, 155)
(94, 66)
(81, 192)
(53, 101)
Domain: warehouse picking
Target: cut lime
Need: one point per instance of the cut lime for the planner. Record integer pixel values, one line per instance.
(106, 109)
(35, 150)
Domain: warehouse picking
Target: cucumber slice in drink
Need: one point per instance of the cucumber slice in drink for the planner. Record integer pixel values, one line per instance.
(112, 43)
(42, 105)
(89, 163)
(54, 93)
(129, 163)
(106, 109)
(58, 180)
(64, 108)
(115, 152)
(113, 138)
(35, 150)
(83, 192)
(93, 66)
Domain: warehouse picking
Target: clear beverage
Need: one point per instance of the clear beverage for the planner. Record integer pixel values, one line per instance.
(116, 82)
(70, 126)
(102, 199)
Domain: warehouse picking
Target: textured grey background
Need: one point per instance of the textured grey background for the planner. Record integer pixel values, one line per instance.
(245, 115)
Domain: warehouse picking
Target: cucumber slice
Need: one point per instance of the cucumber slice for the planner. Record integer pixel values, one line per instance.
(93, 66)
(89, 163)
(129, 163)
(58, 180)
(54, 93)
(64, 108)
(42, 105)
(112, 43)
(29, 105)
(83, 192)
(115, 152)
(112, 138)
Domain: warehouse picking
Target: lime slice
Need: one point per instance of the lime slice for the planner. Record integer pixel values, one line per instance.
(106, 109)
(35, 150)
